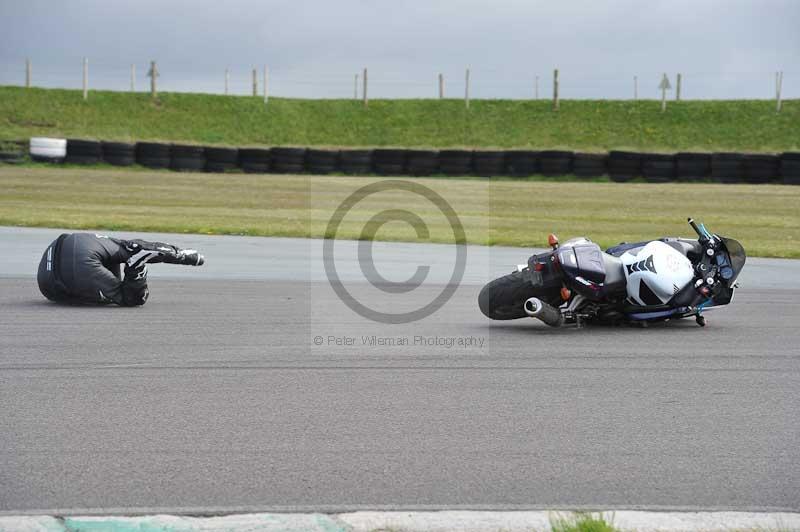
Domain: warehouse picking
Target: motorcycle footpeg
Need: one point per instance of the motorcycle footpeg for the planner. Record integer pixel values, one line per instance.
(536, 308)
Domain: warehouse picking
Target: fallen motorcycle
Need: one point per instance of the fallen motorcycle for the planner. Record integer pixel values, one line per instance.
(576, 282)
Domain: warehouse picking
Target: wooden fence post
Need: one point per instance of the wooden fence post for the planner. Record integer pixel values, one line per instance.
(85, 78)
(364, 90)
(255, 82)
(555, 90)
(28, 73)
(266, 83)
(678, 87)
(153, 75)
(466, 89)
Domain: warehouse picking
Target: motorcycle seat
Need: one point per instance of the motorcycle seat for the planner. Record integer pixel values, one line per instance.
(588, 262)
(615, 281)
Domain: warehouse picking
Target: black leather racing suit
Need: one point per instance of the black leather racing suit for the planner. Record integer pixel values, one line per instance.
(86, 268)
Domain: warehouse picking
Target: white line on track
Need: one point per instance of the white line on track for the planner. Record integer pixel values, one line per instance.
(466, 521)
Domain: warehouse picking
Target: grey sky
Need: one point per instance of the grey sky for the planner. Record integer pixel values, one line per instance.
(725, 49)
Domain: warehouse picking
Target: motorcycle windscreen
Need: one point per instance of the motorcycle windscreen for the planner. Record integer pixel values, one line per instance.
(737, 257)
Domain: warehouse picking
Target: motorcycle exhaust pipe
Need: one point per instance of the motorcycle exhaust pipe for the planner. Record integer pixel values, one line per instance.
(536, 308)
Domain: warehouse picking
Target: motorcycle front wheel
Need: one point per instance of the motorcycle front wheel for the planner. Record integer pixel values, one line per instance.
(504, 298)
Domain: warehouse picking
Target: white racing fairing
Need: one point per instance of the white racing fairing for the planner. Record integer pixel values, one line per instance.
(655, 273)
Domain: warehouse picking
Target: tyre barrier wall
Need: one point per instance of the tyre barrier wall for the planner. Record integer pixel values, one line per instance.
(254, 160)
(153, 154)
(221, 159)
(388, 162)
(13, 152)
(620, 166)
(48, 150)
(187, 158)
(119, 153)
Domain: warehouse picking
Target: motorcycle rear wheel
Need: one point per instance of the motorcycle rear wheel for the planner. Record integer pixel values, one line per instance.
(504, 298)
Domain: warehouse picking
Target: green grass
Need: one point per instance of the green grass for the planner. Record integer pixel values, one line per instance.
(765, 218)
(581, 522)
(591, 125)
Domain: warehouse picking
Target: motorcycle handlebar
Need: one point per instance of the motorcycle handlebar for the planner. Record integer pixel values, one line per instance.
(694, 226)
(702, 233)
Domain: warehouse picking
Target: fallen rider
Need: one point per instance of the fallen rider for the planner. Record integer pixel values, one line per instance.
(85, 268)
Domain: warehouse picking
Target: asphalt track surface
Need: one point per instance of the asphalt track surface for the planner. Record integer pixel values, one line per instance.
(214, 397)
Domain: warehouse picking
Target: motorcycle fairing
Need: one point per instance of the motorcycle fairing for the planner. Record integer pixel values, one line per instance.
(655, 273)
(691, 248)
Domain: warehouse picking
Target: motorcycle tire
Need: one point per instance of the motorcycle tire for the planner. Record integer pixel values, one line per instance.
(504, 298)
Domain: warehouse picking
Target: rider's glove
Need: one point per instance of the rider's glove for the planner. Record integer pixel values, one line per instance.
(136, 273)
(153, 252)
(187, 257)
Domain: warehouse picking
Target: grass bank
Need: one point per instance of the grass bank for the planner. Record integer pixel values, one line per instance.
(515, 213)
(591, 125)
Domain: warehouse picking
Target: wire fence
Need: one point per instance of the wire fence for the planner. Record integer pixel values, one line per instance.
(473, 83)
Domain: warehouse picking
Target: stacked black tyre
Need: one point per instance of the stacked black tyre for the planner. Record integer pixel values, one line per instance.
(624, 165)
(119, 153)
(727, 167)
(555, 163)
(790, 168)
(692, 166)
(84, 151)
(455, 162)
(287, 160)
(254, 160)
(153, 154)
(12, 153)
(658, 167)
(187, 158)
(760, 168)
(522, 163)
(389, 161)
(489, 163)
(589, 164)
(220, 159)
(422, 162)
(355, 162)
(321, 161)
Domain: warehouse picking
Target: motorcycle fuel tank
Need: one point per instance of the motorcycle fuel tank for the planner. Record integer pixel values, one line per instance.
(655, 273)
